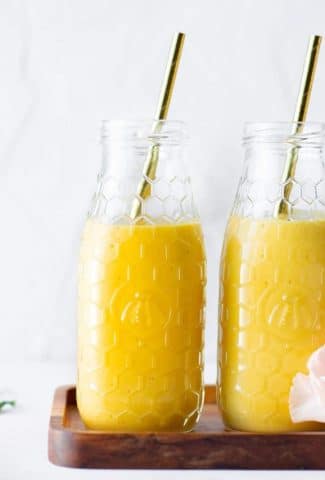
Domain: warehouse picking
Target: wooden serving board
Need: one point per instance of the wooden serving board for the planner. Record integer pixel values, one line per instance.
(209, 446)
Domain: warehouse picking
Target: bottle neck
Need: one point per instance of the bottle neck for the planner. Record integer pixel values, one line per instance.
(127, 147)
(143, 177)
(283, 168)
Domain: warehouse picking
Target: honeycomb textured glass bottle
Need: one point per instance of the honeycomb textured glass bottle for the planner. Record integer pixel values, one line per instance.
(141, 289)
(272, 292)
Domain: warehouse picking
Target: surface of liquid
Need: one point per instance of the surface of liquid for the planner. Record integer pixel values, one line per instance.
(141, 325)
(272, 317)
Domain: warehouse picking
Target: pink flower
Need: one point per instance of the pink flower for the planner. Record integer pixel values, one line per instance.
(307, 394)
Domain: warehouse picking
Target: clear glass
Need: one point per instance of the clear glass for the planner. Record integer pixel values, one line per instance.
(272, 295)
(141, 289)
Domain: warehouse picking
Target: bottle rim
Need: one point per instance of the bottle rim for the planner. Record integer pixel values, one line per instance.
(144, 130)
(294, 133)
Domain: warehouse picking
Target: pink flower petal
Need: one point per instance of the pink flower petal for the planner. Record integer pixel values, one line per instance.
(307, 394)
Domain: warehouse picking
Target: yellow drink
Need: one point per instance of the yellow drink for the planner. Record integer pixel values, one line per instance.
(272, 317)
(141, 321)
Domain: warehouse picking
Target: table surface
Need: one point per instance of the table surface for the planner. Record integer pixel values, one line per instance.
(23, 433)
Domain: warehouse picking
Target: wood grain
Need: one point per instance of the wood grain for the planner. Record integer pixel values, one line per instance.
(209, 446)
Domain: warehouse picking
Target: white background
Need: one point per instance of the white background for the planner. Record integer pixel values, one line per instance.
(64, 66)
(67, 64)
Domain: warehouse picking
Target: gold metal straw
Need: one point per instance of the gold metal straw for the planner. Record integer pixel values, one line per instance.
(303, 100)
(151, 163)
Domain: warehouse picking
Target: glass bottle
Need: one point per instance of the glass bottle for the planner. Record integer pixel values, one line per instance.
(141, 288)
(272, 294)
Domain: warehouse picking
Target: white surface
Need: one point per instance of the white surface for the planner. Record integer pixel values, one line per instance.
(23, 434)
(66, 65)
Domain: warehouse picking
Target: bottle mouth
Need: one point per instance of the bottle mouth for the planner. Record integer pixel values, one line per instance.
(293, 133)
(168, 132)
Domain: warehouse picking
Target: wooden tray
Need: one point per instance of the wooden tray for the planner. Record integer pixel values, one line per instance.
(209, 446)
